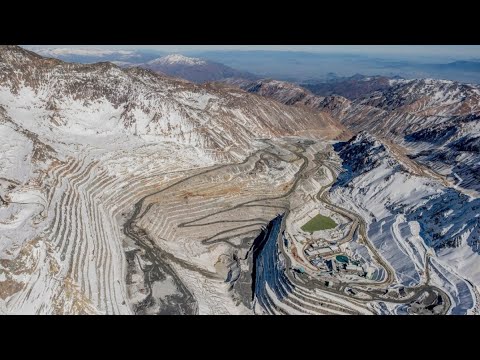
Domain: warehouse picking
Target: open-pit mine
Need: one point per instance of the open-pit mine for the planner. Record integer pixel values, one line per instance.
(123, 191)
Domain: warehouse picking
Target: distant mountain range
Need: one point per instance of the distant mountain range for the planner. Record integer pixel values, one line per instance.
(290, 93)
(349, 87)
(193, 69)
(292, 66)
(458, 65)
(176, 65)
(304, 67)
(92, 55)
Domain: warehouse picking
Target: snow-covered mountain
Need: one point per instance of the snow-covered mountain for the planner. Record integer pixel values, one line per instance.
(408, 211)
(193, 69)
(177, 59)
(290, 94)
(437, 121)
(143, 103)
(282, 91)
(82, 145)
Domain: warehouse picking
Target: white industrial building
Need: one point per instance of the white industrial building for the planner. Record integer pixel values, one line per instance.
(317, 251)
(354, 268)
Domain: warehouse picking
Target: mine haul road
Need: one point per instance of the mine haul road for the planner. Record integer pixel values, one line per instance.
(160, 258)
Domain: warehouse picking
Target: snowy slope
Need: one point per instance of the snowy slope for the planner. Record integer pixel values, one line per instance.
(407, 213)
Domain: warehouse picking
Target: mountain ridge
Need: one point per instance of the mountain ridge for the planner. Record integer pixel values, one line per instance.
(429, 118)
(136, 87)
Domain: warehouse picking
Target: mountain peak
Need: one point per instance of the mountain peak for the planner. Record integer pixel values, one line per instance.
(194, 69)
(177, 59)
(16, 53)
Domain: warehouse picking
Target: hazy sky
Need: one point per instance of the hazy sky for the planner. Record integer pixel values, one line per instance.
(450, 51)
